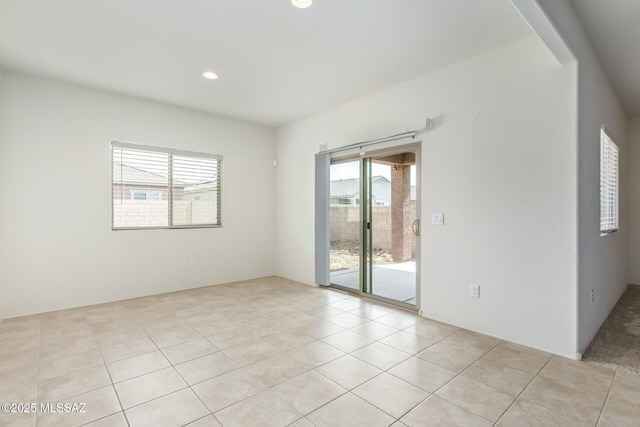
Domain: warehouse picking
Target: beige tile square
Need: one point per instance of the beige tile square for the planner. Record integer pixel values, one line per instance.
(25, 393)
(148, 387)
(524, 413)
(17, 419)
(393, 395)
(308, 391)
(276, 369)
(68, 347)
(175, 409)
(499, 376)
(471, 342)
(77, 382)
(316, 353)
(448, 357)
(51, 367)
(18, 395)
(289, 339)
(168, 337)
(320, 329)
(321, 311)
(208, 421)
(232, 338)
(297, 318)
(346, 320)
(205, 367)
(189, 350)
(381, 355)
(347, 341)
(123, 322)
(479, 398)
(252, 352)
(560, 397)
(438, 412)
(372, 311)
(121, 351)
(349, 410)
(426, 375)
(15, 375)
(618, 414)
(268, 326)
(124, 369)
(100, 403)
(374, 330)
(399, 319)
(407, 342)
(216, 327)
(346, 304)
(518, 357)
(579, 375)
(625, 389)
(302, 422)
(115, 420)
(162, 321)
(348, 371)
(18, 361)
(227, 389)
(431, 330)
(266, 407)
(63, 334)
(120, 336)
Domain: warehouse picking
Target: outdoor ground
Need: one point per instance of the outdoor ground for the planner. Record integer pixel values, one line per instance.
(345, 255)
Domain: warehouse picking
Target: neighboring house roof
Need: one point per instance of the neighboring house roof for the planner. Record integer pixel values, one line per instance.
(204, 186)
(133, 175)
(351, 187)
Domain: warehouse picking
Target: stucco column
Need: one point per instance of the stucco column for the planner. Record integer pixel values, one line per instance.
(400, 226)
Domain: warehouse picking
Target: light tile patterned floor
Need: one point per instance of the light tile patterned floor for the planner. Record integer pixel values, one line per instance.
(271, 352)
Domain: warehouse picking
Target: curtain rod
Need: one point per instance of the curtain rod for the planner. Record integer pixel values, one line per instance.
(411, 134)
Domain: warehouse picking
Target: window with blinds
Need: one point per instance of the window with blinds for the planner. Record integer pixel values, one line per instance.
(155, 187)
(609, 184)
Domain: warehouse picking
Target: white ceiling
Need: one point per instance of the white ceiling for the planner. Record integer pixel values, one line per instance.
(276, 63)
(614, 29)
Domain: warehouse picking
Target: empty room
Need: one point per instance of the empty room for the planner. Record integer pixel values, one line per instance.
(319, 213)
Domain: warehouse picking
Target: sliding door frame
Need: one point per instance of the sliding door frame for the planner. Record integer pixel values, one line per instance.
(365, 265)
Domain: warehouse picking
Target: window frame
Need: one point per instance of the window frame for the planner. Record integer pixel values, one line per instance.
(170, 152)
(146, 193)
(609, 184)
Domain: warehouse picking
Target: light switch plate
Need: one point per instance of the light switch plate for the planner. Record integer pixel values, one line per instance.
(437, 218)
(474, 291)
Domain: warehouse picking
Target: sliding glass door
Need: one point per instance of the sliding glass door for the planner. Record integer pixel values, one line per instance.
(345, 219)
(374, 225)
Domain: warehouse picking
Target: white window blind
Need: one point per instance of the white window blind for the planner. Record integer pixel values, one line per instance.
(609, 184)
(156, 187)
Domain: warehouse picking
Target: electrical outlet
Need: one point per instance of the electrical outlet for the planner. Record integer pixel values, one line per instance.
(592, 296)
(192, 262)
(474, 291)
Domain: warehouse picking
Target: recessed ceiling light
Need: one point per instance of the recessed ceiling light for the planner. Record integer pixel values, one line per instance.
(302, 4)
(210, 75)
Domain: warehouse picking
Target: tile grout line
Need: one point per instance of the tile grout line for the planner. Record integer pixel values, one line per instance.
(459, 374)
(523, 390)
(606, 399)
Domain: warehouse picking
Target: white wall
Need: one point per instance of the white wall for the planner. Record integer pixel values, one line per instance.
(601, 265)
(59, 249)
(633, 193)
(1, 198)
(501, 165)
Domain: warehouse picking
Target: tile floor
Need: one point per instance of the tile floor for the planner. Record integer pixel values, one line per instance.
(271, 352)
